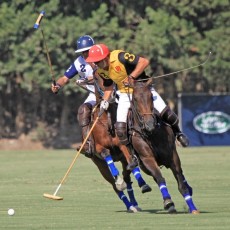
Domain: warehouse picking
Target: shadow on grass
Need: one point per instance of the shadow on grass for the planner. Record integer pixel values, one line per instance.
(157, 211)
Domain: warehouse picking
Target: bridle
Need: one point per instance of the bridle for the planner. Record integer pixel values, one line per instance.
(139, 116)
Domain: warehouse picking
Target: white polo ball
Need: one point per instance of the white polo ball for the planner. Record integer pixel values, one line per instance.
(11, 212)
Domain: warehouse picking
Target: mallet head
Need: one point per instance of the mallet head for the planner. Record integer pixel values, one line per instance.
(37, 23)
(52, 197)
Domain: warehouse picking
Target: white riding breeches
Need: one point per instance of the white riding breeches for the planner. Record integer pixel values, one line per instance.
(159, 103)
(91, 99)
(123, 107)
(124, 104)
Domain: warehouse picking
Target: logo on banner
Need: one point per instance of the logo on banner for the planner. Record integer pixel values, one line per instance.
(212, 122)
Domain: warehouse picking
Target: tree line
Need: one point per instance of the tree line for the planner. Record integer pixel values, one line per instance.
(173, 34)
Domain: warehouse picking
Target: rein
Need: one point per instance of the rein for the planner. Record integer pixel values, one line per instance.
(139, 128)
(139, 116)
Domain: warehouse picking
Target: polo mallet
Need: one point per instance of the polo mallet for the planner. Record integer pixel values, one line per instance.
(54, 196)
(168, 74)
(182, 70)
(36, 26)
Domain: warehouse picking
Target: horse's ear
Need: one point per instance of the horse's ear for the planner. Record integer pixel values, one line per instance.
(150, 81)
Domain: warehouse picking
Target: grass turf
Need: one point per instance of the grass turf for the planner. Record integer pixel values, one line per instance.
(90, 203)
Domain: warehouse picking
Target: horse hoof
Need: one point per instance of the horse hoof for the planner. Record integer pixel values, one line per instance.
(169, 206)
(172, 210)
(195, 212)
(146, 188)
(120, 184)
(132, 209)
(138, 209)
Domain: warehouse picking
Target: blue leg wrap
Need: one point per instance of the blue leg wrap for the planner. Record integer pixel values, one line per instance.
(125, 200)
(164, 191)
(131, 194)
(189, 202)
(111, 165)
(137, 173)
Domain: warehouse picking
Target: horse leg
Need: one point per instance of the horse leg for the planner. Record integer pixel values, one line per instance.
(126, 175)
(120, 183)
(141, 182)
(183, 186)
(178, 168)
(153, 168)
(132, 162)
(190, 190)
(105, 172)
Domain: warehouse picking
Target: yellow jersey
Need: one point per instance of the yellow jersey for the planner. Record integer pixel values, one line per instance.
(117, 70)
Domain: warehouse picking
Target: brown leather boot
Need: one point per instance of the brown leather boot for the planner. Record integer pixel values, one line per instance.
(84, 117)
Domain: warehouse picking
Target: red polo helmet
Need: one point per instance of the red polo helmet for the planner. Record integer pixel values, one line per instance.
(97, 53)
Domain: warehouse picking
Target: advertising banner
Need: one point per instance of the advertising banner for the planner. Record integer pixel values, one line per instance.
(205, 119)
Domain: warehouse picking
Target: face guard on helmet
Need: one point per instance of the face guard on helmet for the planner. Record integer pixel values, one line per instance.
(84, 43)
(98, 53)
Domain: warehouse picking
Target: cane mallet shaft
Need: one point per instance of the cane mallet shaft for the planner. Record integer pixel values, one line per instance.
(179, 71)
(54, 197)
(36, 26)
(48, 58)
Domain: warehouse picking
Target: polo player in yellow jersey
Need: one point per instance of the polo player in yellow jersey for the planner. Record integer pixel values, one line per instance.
(121, 67)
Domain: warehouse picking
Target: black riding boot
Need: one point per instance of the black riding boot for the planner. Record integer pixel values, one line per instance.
(121, 130)
(171, 118)
(83, 116)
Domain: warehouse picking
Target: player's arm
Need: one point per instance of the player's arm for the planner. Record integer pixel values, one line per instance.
(107, 87)
(140, 67)
(62, 81)
(108, 90)
(135, 65)
(59, 83)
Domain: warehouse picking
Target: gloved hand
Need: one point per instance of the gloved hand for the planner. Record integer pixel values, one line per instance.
(55, 87)
(128, 81)
(104, 105)
(80, 81)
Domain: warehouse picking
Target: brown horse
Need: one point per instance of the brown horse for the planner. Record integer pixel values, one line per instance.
(106, 151)
(154, 143)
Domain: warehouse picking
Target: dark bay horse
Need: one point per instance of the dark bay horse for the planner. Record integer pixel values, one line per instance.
(108, 150)
(154, 143)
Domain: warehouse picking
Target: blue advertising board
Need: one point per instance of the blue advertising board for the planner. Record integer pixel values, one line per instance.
(205, 119)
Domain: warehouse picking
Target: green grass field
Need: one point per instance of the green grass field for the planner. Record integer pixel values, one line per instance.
(90, 203)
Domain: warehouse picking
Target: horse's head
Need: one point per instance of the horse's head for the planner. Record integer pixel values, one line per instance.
(143, 105)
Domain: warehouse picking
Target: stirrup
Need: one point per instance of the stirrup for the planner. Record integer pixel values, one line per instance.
(182, 139)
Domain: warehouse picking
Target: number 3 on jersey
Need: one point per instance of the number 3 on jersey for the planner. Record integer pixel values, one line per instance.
(129, 57)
